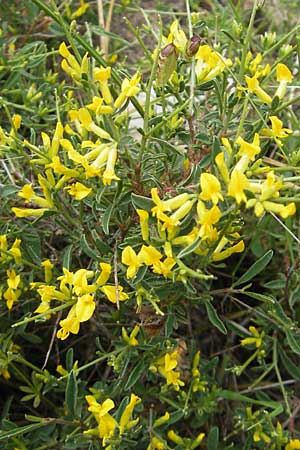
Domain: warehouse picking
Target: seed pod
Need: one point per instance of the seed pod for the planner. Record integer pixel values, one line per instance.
(193, 45)
(166, 64)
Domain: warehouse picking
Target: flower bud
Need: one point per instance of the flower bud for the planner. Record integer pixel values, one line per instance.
(193, 45)
(166, 63)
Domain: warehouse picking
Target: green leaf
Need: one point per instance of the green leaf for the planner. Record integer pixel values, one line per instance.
(236, 396)
(214, 318)
(275, 284)
(86, 248)
(101, 246)
(260, 297)
(190, 248)
(292, 342)
(21, 430)
(9, 189)
(69, 359)
(106, 218)
(294, 296)
(71, 393)
(288, 364)
(135, 375)
(67, 256)
(140, 202)
(255, 269)
(203, 138)
(33, 247)
(213, 439)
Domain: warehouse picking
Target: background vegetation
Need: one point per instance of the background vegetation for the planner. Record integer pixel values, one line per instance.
(149, 240)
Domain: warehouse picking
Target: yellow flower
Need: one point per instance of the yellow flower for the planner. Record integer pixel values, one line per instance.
(88, 123)
(98, 107)
(144, 219)
(186, 239)
(209, 64)
(270, 187)
(16, 120)
(164, 267)
(283, 211)
(48, 293)
(210, 188)
(70, 324)
(109, 173)
(106, 423)
(227, 145)
(85, 307)
(78, 190)
(131, 339)
(54, 146)
(170, 222)
(197, 441)
(111, 293)
(284, 76)
(277, 132)
(156, 444)
(253, 86)
(60, 169)
(28, 212)
(149, 255)
(29, 196)
(257, 338)
(259, 435)
(207, 218)
(166, 365)
(15, 251)
(102, 75)
(130, 259)
(255, 66)
(47, 264)
(70, 65)
(294, 444)
(125, 422)
(238, 182)
(247, 152)
(220, 162)
(175, 437)
(219, 254)
(177, 37)
(80, 282)
(105, 273)
(80, 11)
(161, 420)
(128, 89)
(167, 205)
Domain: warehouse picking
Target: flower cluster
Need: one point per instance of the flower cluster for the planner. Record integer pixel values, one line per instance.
(75, 290)
(165, 366)
(209, 63)
(107, 424)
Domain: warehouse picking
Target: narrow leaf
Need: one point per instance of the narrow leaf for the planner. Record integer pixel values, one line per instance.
(292, 342)
(213, 439)
(255, 269)
(106, 218)
(141, 202)
(189, 249)
(214, 318)
(4, 436)
(86, 248)
(71, 393)
(67, 256)
(260, 297)
(135, 375)
(288, 364)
